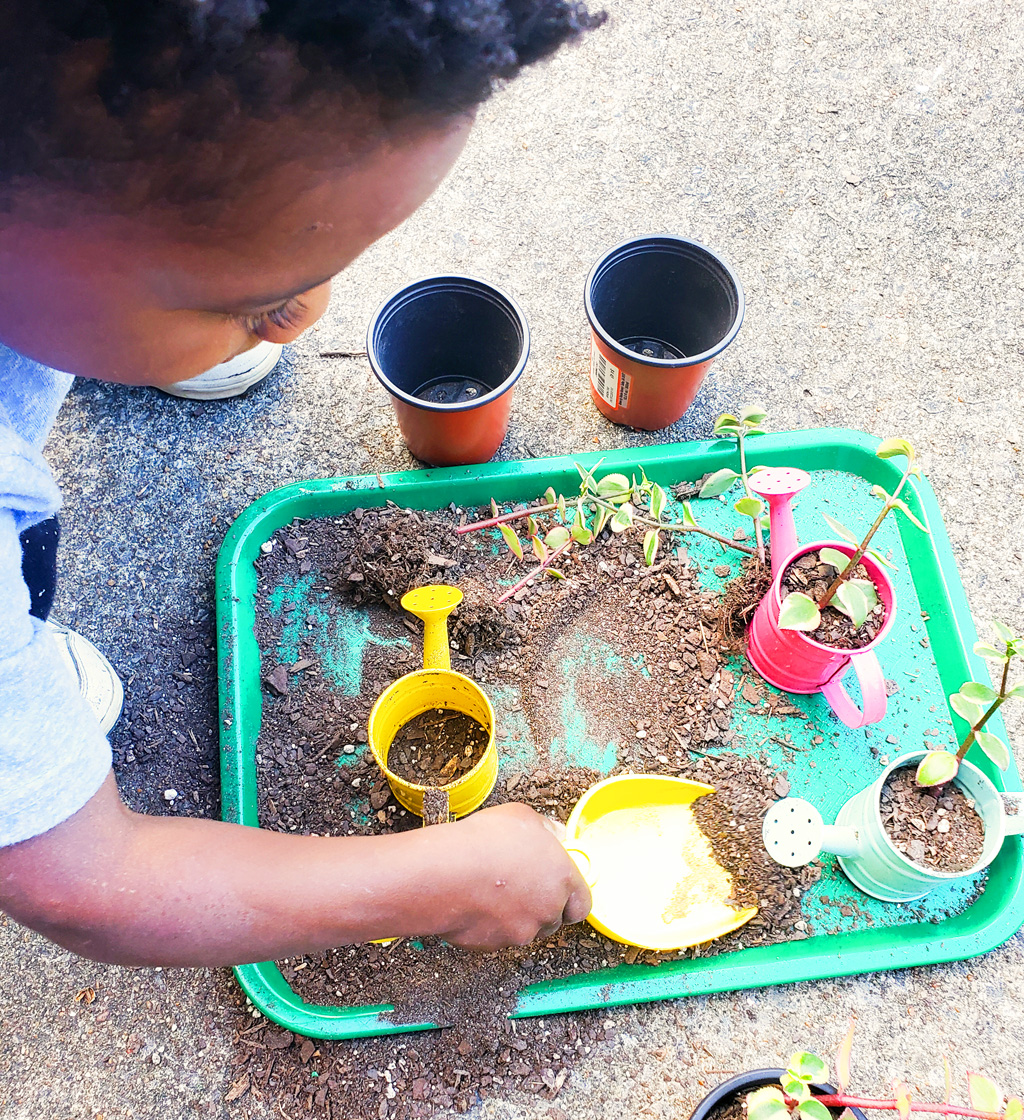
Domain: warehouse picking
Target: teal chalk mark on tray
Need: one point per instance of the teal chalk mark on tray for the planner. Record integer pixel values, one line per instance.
(339, 641)
(517, 752)
(580, 747)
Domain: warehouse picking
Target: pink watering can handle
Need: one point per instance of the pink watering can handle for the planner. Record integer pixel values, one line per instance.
(779, 486)
(872, 690)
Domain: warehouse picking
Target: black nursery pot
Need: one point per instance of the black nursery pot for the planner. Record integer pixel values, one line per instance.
(747, 1082)
(449, 350)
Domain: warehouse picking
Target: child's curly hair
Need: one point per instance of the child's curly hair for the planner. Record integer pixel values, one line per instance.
(90, 81)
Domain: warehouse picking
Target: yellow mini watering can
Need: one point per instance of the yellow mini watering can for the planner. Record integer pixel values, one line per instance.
(652, 874)
(436, 685)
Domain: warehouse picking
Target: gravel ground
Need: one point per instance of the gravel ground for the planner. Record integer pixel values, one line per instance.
(860, 165)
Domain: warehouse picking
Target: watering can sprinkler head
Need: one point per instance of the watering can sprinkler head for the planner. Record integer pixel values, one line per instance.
(779, 486)
(433, 604)
(794, 833)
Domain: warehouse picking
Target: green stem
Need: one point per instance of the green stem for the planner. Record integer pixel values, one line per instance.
(756, 518)
(845, 574)
(673, 526)
(966, 745)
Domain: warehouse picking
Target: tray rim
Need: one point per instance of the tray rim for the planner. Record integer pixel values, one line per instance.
(788, 962)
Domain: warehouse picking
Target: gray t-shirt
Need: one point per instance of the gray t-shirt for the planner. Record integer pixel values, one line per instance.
(53, 755)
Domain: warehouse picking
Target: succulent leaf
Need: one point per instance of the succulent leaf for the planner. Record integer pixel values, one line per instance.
(891, 447)
(852, 601)
(623, 518)
(936, 768)
(766, 1104)
(753, 414)
(651, 540)
(966, 708)
(512, 540)
(808, 1067)
(840, 529)
(981, 693)
(615, 488)
(659, 499)
(984, 1094)
(901, 505)
(879, 558)
(843, 1059)
(799, 612)
(994, 747)
(556, 536)
(983, 649)
(834, 558)
(718, 483)
(1004, 632)
(749, 507)
(813, 1110)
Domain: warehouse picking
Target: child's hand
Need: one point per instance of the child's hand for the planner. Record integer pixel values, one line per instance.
(514, 882)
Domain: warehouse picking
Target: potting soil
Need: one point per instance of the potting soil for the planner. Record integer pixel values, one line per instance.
(436, 747)
(943, 832)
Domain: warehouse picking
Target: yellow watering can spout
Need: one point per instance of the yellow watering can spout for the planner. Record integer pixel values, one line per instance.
(433, 604)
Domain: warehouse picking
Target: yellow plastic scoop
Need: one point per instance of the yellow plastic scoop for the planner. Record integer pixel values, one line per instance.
(652, 873)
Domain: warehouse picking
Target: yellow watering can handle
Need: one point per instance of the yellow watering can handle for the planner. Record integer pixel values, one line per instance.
(434, 604)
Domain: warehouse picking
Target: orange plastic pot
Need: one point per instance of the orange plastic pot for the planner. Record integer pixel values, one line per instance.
(661, 309)
(449, 350)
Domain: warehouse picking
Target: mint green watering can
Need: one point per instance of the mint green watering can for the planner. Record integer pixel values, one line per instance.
(794, 834)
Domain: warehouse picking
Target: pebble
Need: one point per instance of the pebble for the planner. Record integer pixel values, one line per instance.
(170, 794)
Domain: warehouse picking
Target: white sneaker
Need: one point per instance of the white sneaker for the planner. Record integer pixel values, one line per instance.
(97, 680)
(230, 378)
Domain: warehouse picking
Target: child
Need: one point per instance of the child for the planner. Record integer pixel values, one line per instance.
(179, 179)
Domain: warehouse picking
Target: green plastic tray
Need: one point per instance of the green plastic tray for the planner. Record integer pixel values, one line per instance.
(930, 662)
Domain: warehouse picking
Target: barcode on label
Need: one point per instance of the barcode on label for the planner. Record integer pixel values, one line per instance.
(612, 384)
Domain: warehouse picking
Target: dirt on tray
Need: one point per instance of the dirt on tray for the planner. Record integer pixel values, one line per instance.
(654, 629)
(813, 578)
(942, 832)
(436, 747)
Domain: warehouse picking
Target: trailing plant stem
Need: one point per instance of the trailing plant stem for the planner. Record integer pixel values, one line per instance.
(536, 572)
(758, 532)
(840, 1100)
(827, 598)
(965, 746)
(500, 520)
(674, 526)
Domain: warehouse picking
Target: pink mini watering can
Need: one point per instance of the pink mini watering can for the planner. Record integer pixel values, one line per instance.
(791, 660)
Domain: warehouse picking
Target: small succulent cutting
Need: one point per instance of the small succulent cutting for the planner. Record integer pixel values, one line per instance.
(977, 703)
(748, 423)
(797, 1098)
(856, 598)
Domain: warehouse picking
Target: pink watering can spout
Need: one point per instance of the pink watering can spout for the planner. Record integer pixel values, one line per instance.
(779, 486)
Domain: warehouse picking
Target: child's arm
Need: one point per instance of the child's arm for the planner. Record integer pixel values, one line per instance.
(130, 889)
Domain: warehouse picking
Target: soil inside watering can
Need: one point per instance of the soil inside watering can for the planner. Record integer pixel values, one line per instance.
(809, 575)
(436, 747)
(942, 832)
